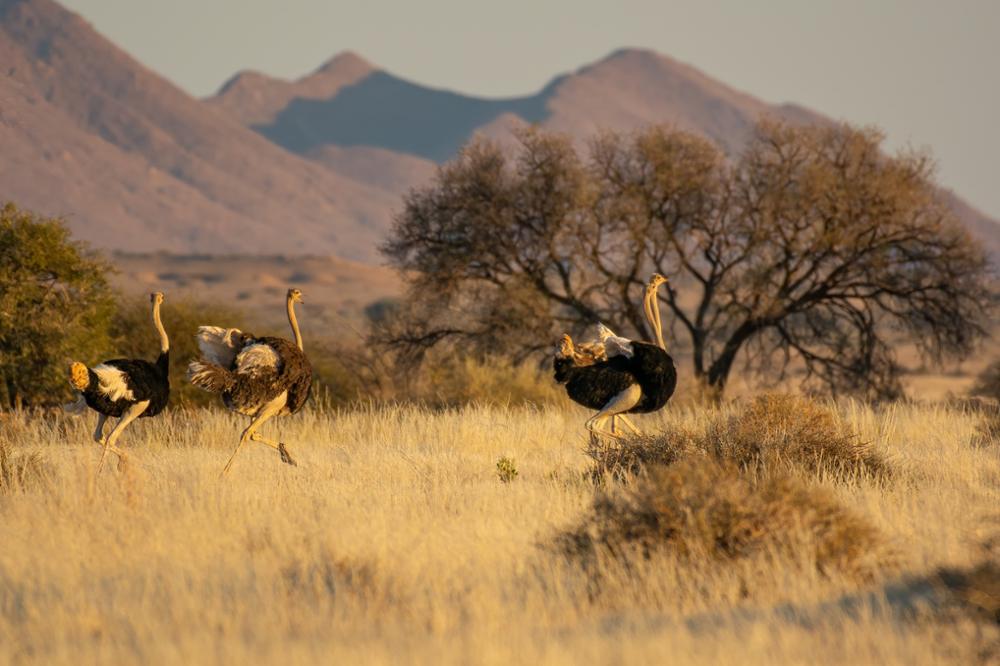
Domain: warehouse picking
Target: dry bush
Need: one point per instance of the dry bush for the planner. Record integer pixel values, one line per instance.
(701, 510)
(22, 471)
(773, 432)
(787, 429)
(622, 458)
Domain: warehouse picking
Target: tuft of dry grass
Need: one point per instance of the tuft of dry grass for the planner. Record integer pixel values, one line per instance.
(773, 432)
(22, 471)
(701, 509)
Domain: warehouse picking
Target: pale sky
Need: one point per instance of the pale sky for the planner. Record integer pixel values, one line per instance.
(926, 71)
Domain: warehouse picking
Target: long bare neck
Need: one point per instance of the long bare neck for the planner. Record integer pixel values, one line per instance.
(294, 323)
(652, 307)
(164, 341)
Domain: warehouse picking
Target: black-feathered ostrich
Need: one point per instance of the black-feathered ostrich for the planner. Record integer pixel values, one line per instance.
(125, 388)
(634, 377)
(258, 377)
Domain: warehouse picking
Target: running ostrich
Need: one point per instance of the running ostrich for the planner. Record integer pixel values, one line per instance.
(125, 388)
(257, 377)
(629, 377)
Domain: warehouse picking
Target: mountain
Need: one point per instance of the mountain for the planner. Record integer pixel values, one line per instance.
(256, 98)
(629, 89)
(389, 132)
(134, 163)
(313, 166)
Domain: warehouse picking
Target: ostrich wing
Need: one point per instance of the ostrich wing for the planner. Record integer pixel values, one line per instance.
(219, 345)
(614, 345)
(258, 359)
(113, 382)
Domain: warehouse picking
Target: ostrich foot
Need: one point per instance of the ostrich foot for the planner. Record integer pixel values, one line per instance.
(285, 456)
(122, 462)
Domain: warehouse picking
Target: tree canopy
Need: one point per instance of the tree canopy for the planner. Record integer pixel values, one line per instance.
(55, 305)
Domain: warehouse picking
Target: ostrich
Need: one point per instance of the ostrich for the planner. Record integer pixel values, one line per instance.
(634, 377)
(257, 377)
(125, 388)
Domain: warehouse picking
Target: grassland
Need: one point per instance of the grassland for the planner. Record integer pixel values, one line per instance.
(397, 541)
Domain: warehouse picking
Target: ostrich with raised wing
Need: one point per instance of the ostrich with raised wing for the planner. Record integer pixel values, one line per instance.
(259, 377)
(630, 377)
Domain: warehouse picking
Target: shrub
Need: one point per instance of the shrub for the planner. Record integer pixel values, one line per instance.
(506, 470)
(55, 305)
(777, 430)
(700, 509)
(773, 432)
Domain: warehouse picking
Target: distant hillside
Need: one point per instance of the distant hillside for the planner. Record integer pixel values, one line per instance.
(313, 166)
(134, 163)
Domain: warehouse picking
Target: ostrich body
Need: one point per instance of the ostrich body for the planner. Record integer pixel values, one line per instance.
(634, 378)
(125, 388)
(259, 377)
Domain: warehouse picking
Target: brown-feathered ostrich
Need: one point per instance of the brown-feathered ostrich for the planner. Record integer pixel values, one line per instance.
(630, 377)
(125, 388)
(258, 377)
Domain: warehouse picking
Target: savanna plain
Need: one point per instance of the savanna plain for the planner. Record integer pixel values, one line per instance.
(767, 530)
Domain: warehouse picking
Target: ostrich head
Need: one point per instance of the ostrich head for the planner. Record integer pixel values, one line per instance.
(295, 296)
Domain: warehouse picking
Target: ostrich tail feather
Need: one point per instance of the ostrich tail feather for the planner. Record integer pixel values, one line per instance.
(210, 377)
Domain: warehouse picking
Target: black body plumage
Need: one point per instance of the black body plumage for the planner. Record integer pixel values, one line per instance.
(146, 381)
(595, 385)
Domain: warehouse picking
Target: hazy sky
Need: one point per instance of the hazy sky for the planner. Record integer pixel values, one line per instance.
(927, 71)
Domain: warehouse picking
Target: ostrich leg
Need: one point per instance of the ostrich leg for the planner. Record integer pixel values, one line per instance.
(265, 412)
(622, 402)
(627, 421)
(131, 414)
(286, 457)
(99, 435)
(99, 431)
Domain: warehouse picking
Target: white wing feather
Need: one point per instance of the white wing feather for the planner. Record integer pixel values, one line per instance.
(614, 345)
(219, 345)
(256, 358)
(111, 382)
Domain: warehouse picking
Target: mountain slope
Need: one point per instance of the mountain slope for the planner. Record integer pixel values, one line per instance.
(255, 99)
(405, 124)
(182, 157)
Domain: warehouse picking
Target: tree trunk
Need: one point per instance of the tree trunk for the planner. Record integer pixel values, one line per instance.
(718, 373)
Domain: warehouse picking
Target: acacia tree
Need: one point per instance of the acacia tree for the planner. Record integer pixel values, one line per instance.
(55, 305)
(813, 247)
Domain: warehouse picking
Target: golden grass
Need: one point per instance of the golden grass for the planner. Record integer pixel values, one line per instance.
(395, 541)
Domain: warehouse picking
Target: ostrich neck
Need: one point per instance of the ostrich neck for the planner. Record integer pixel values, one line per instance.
(294, 323)
(164, 341)
(652, 307)
(658, 323)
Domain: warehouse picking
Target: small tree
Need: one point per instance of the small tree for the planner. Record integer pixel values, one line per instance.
(55, 305)
(812, 247)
